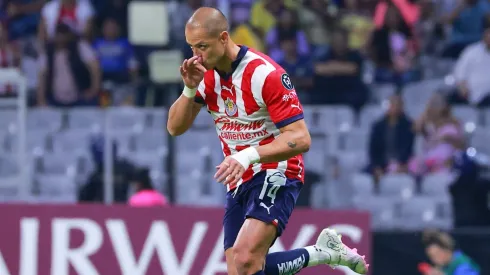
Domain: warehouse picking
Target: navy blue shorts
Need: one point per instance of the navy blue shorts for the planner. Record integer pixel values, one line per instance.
(269, 197)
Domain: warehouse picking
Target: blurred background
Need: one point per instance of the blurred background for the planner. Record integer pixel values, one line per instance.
(396, 95)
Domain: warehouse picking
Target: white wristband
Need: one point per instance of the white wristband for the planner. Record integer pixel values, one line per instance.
(188, 92)
(247, 157)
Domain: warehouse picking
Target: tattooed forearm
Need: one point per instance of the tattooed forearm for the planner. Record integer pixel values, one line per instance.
(292, 144)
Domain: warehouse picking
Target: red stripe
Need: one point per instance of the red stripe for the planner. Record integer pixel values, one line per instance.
(211, 95)
(227, 95)
(251, 105)
(267, 58)
(272, 165)
(226, 148)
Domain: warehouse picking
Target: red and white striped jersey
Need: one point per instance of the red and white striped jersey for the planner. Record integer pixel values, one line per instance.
(250, 105)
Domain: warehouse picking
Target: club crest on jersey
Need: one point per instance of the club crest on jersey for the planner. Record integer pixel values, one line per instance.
(286, 81)
(230, 107)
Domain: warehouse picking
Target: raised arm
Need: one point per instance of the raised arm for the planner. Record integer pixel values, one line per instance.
(185, 109)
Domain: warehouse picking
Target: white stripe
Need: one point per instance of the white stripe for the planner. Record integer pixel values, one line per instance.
(282, 166)
(258, 81)
(300, 167)
(217, 89)
(256, 168)
(237, 83)
(202, 89)
(258, 77)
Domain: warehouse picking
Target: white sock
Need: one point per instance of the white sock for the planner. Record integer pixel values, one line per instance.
(317, 257)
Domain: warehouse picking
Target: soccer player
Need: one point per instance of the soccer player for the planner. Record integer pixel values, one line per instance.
(259, 121)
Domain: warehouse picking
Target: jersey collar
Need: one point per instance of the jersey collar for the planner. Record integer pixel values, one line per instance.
(241, 54)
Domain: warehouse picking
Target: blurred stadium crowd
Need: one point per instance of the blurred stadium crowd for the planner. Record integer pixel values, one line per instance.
(395, 93)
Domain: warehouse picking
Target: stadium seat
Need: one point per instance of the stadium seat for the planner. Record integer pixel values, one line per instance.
(61, 164)
(316, 157)
(56, 184)
(126, 118)
(204, 120)
(355, 140)
(369, 115)
(417, 213)
(382, 209)
(85, 118)
(8, 166)
(36, 139)
(362, 184)
(44, 119)
(420, 92)
(320, 119)
(155, 160)
(188, 188)
(437, 184)
(398, 185)
(344, 116)
(466, 114)
(7, 118)
(480, 140)
(149, 140)
(383, 91)
(352, 161)
(157, 118)
(195, 140)
(70, 141)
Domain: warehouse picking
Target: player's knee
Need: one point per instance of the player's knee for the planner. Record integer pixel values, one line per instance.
(245, 261)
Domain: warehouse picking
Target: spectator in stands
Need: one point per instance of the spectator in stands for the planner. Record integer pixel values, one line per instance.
(242, 31)
(78, 14)
(115, 9)
(123, 171)
(409, 12)
(145, 195)
(23, 17)
(264, 13)
(287, 26)
(392, 50)
(471, 73)
(117, 61)
(358, 24)
(69, 73)
(298, 66)
(179, 12)
(317, 21)
(391, 141)
(447, 259)
(10, 57)
(466, 22)
(443, 135)
(338, 75)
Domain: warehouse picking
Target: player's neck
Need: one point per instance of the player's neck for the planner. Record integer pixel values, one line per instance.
(231, 54)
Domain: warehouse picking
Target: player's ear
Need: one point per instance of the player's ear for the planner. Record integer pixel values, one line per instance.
(224, 37)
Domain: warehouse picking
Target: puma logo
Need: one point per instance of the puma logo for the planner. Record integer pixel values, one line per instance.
(267, 208)
(295, 106)
(227, 89)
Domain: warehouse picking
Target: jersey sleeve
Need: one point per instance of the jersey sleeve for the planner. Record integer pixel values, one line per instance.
(281, 99)
(199, 98)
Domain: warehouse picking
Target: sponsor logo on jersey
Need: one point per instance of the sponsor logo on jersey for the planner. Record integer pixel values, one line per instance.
(289, 96)
(234, 130)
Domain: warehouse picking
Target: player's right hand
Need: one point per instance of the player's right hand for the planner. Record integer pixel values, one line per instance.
(192, 72)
